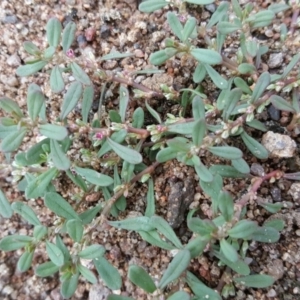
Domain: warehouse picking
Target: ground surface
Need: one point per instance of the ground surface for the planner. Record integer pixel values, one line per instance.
(119, 25)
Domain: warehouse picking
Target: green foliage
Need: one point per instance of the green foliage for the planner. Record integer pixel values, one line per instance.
(205, 134)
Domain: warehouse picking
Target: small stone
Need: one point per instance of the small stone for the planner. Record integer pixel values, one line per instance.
(257, 170)
(211, 7)
(276, 194)
(279, 145)
(297, 232)
(294, 191)
(139, 53)
(104, 31)
(81, 40)
(274, 113)
(90, 34)
(275, 60)
(14, 60)
(10, 19)
(271, 293)
(98, 292)
(276, 269)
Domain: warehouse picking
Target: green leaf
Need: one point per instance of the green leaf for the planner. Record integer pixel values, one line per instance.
(35, 101)
(202, 227)
(154, 114)
(238, 266)
(229, 251)
(13, 140)
(150, 209)
(25, 261)
(78, 180)
(226, 205)
(189, 28)
(152, 5)
(138, 118)
(201, 170)
(37, 187)
(218, 15)
(68, 35)
(246, 68)
(153, 238)
(14, 242)
(141, 278)
(261, 84)
(226, 152)
(200, 2)
(53, 31)
(277, 224)
(118, 137)
(59, 158)
(52, 131)
(10, 107)
(272, 207)
(60, 206)
(94, 177)
(117, 297)
(60, 244)
(266, 235)
(5, 208)
(30, 69)
(226, 171)
(261, 19)
(25, 212)
(87, 101)
(48, 53)
(108, 273)
(255, 281)
(241, 165)
(115, 55)
(199, 132)
(178, 265)
(254, 146)
(291, 65)
(241, 84)
(207, 56)
(7, 130)
(243, 230)
(257, 125)
(233, 97)
(123, 102)
(54, 254)
(31, 48)
(199, 73)
(46, 269)
(180, 295)
(71, 98)
(166, 154)
(129, 155)
(75, 229)
(225, 27)
(92, 251)
(175, 25)
(79, 74)
(57, 83)
(182, 128)
(197, 245)
(217, 79)
(281, 104)
(87, 274)
(159, 57)
(201, 291)
(69, 286)
(39, 232)
(198, 108)
(163, 227)
(137, 224)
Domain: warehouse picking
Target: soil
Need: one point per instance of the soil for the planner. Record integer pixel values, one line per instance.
(119, 25)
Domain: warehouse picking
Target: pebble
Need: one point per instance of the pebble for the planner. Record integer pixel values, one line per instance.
(276, 194)
(211, 7)
(275, 60)
(98, 292)
(279, 145)
(274, 113)
(257, 169)
(104, 31)
(294, 191)
(10, 19)
(13, 60)
(271, 293)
